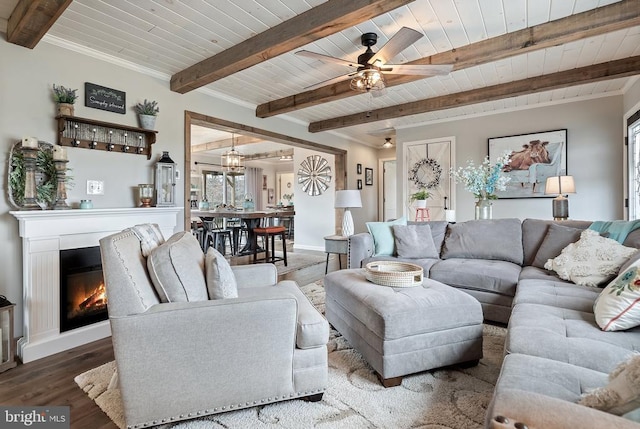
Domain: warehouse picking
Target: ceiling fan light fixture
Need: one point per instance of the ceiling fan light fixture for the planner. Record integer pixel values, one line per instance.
(366, 80)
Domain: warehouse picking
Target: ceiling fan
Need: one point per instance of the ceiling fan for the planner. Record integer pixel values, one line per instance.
(372, 66)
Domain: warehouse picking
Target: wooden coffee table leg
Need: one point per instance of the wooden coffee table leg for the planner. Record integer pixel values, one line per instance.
(390, 382)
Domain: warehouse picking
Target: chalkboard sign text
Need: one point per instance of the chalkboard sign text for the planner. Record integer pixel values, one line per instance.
(101, 97)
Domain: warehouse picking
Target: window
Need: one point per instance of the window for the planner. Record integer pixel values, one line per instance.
(633, 134)
(223, 188)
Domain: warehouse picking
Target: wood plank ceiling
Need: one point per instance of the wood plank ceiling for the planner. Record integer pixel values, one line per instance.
(492, 43)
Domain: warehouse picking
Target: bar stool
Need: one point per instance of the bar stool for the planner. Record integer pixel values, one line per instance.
(422, 215)
(217, 237)
(266, 232)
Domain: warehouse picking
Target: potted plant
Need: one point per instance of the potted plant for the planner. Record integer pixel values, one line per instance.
(288, 197)
(65, 98)
(147, 112)
(420, 198)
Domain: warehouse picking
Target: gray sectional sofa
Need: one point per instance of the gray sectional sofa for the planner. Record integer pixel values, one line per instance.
(554, 349)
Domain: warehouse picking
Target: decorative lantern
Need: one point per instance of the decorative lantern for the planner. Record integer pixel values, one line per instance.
(7, 352)
(165, 181)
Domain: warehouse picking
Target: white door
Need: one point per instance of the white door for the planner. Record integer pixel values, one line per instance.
(389, 190)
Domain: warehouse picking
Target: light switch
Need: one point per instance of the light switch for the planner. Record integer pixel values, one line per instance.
(95, 187)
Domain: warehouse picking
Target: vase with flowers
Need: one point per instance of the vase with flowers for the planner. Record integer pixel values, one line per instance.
(483, 181)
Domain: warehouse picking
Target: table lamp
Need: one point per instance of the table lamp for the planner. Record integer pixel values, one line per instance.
(560, 185)
(345, 200)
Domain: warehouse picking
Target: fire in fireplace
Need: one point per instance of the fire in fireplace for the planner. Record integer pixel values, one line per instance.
(82, 293)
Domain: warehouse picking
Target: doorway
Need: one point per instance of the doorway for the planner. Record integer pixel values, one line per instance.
(388, 207)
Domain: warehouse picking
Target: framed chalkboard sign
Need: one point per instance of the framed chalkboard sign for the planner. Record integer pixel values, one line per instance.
(101, 97)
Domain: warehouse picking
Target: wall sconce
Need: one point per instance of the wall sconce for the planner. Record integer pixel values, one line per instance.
(560, 185)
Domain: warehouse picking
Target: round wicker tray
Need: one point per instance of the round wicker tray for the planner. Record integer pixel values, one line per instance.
(394, 274)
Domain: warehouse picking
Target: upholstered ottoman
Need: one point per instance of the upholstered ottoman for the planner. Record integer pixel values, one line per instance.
(401, 331)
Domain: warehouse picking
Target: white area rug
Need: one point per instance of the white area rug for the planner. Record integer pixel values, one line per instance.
(443, 399)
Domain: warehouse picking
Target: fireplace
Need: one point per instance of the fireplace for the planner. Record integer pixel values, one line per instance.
(82, 292)
(45, 235)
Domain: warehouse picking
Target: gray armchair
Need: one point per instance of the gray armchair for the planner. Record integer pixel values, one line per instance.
(183, 360)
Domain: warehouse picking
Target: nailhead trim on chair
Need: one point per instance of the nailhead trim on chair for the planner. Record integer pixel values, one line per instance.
(231, 406)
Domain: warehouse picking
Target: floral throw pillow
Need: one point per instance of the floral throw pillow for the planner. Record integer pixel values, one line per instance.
(618, 306)
(590, 261)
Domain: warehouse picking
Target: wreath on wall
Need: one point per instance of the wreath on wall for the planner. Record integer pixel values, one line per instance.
(426, 173)
(46, 176)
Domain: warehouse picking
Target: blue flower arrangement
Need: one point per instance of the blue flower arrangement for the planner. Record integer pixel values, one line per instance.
(483, 180)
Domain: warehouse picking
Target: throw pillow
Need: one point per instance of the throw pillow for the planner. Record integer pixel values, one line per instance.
(499, 239)
(591, 260)
(618, 306)
(622, 393)
(176, 269)
(382, 234)
(414, 241)
(221, 282)
(557, 238)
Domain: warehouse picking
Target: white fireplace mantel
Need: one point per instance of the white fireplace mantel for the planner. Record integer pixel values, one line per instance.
(44, 233)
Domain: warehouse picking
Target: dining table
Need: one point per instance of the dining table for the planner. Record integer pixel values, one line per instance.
(250, 218)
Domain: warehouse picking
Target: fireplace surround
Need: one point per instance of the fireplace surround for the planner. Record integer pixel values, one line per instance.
(45, 233)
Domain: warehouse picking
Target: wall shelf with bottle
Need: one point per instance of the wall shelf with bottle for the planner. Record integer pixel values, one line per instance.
(91, 134)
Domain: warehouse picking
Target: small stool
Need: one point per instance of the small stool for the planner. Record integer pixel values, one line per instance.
(422, 215)
(266, 232)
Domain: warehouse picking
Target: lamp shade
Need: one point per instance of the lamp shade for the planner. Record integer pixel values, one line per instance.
(559, 185)
(348, 198)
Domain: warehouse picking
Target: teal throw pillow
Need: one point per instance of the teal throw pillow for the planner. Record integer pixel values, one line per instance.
(383, 239)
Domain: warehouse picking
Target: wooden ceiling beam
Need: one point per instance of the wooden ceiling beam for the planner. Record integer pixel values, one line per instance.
(219, 144)
(591, 23)
(589, 74)
(31, 19)
(321, 21)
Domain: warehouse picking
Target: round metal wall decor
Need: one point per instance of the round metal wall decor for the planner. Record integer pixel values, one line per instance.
(426, 173)
(314, 175)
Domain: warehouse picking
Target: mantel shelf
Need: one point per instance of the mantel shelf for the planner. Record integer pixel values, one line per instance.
(91, 134)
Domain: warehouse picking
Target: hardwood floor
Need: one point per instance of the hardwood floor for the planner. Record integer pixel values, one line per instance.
(49, 381)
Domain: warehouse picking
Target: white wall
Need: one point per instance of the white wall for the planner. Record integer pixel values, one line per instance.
(27, 109)
(315, 215)
(594, 155)
(632, 98)
(368, 194)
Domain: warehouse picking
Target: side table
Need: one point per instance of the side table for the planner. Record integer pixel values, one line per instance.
(335, 244)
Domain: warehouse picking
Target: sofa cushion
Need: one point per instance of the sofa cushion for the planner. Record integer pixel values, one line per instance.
(618, 305)
(221, 282)
(591, 260)
(557, 238)
(548, 377)
(534, 232)
(382, 234)
(567, 336)
(480, 274)
(438, 231)
(176, 269)
(622, 394)
(499, 239)
(540, 274)
(414, 241)
(556, 293)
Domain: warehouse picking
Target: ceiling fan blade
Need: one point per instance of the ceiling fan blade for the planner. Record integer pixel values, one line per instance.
(330, 81)
(398, 43)
(326, 58)
(422, 70)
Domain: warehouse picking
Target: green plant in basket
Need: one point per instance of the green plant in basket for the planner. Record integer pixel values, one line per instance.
(147, 108)
(64, 95)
